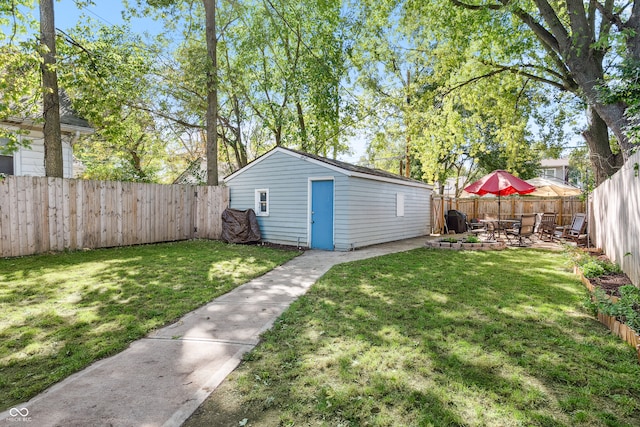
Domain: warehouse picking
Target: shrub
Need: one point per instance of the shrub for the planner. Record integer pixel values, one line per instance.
(472, 239)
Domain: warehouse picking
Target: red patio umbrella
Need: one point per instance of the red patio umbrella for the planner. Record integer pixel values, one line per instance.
(500, 183)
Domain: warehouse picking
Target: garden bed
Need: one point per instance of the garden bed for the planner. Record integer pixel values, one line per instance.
(466, 246)
(610, 285)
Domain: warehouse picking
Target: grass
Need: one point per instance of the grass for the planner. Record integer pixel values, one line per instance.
(61, 312)
(435, 338)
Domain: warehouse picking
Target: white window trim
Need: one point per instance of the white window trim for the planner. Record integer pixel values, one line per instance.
(257, 201)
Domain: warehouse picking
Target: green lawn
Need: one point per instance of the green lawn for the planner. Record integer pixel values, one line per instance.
(436, 338)
(60, 312)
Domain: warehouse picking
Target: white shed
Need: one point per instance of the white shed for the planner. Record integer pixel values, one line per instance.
(310, 201)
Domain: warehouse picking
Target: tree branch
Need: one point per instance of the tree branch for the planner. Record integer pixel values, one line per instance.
(607, 13)
(479, 6)
(504, 68)
(164, 116)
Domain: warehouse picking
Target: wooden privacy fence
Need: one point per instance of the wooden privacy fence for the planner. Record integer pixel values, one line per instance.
(510, 207)
(614, 217)
(39, 214)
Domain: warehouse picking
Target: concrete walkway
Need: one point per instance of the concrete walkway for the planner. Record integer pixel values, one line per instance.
(161, 379)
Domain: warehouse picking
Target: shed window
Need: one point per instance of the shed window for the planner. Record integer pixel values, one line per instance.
(262, 202)
(399, 204)
(6, 160)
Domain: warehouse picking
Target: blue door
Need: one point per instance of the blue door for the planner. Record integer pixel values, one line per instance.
(322, 215)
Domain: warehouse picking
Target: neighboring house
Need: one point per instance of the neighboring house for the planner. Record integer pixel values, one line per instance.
(195, 174)
(449, 189)
(555, 168)
(311, 201)
(30, 161)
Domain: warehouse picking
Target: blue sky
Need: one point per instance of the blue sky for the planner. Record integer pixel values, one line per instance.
(67, 14)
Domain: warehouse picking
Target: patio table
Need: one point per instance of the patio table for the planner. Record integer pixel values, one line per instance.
(497, 226)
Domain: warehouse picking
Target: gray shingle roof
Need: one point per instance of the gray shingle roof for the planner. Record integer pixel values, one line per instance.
(354, 168)
(67, 115)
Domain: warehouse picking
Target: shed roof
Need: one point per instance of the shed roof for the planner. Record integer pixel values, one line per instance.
(336, 165)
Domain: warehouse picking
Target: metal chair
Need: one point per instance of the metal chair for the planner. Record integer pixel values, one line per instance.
(524, 230)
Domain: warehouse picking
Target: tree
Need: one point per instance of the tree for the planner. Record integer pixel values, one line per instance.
(19, 69)
(212, 92)
(278, 73)
(174, 8)
(565, 45)
(111, 81)
(450, 120)
(50, 96)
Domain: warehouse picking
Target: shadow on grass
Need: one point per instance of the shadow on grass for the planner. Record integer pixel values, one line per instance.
(443, 338)
(63, 311)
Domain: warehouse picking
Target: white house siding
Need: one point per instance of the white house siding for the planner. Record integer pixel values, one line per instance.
(364, 209)
(368, 213)
(286, 177)
(30, 161)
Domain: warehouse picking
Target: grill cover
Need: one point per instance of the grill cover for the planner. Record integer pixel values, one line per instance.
(240, 226)
(456, 221)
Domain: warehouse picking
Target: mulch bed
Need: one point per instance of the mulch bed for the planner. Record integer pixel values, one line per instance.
(610, 283)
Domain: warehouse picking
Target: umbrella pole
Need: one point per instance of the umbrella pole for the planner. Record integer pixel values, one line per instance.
(499, 215)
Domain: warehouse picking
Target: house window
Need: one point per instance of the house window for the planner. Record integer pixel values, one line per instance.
(551, 173)
(262, 202)
(399, 204)
(6, 160)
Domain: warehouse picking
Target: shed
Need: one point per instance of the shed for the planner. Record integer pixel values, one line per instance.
(310, 201)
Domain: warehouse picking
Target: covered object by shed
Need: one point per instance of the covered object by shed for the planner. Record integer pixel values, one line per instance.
(310, 201)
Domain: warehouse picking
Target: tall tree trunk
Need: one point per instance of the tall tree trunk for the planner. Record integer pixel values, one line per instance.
(589, 79)
(241, 153)
(50, 98)
(605, 162)
(212, 92)
(303, 127)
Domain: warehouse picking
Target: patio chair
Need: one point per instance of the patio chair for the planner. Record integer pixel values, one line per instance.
(485, 224)
(523, 230)
(577, 231)
(547, 227)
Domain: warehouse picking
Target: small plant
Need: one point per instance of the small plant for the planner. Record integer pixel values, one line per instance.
(471, 239)
(593, 267)
(450, 240)
(626, 309)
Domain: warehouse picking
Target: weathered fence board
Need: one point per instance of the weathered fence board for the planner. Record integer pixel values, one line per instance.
(39, 214)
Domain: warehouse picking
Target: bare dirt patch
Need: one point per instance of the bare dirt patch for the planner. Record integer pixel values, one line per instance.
(226, 407)
(610, 283)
